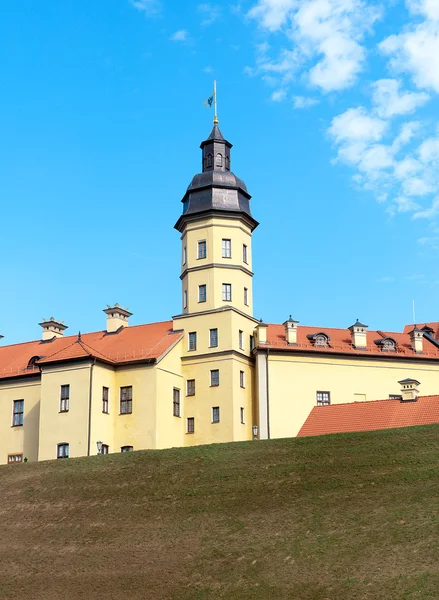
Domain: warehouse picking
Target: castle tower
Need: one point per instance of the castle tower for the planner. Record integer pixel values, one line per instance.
(216, 227)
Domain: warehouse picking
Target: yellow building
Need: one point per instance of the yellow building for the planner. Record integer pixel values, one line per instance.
(212, 372)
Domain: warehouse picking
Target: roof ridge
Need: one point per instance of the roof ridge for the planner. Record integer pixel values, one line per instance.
(59, 351)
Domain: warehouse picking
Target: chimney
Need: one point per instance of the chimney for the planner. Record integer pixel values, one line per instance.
(117, 317)
(417, 340)
(409, 390)
(291, 331)
(261, 331)
(359, 335)
(52, 329)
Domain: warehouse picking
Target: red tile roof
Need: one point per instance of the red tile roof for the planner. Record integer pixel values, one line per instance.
(137, 343)
(341, 342)
(370, 416)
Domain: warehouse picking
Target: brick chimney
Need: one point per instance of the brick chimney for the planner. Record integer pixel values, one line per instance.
(359, 335)
(117, 317)
(261, 331)
(409, 390)
(52, 329)
(291, 331)
(417, 340)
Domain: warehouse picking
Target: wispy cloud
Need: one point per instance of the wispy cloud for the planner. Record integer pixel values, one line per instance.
(182, 35)
(304, 102)
(148, 7)
(209, 12)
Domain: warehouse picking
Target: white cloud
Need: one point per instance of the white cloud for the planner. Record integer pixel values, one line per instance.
(390, 100)
(428, 8)
(207, 69)
(416, 186)
(406, 168)
(182, 35)
(304, 102)
(429, 150)
(404, 204)
(428, 213)
(209, 12)
(357, 125)
(148, 7)
(279, 95)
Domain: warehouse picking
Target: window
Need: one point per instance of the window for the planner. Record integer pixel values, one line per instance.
(32, 364)
(202, 293)
(228, 163)
(214, 377)
(213, 338)
(209, 160)
(246, 296)
(395, 397)
(242, 415)
(62, 451)
(185, 299)
(105, 395)
(227, 248)
(190, 387)
(126, 400)
(320, 340)
(126, 449)
(176, 403)
(105, 449)
(219, 160)
(184, 255)
(323, 398)
(65, 396)
(242, 379)
(13, 459)
(215, 414)
(193, 340)
(190, 425)
(202, 249)
(252, 342)
(227, 292)
(241, 339)
(17, 415)
(244, 253)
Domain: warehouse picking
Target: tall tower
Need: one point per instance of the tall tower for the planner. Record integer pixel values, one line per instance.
(216, 227)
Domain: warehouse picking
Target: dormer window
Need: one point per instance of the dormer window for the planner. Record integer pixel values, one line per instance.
(209, 161)
(219, 160)
(32, 362)
(320, 340)
(228, 163)
(387, 344)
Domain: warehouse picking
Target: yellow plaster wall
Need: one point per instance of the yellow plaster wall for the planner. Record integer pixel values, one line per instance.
(294, 381)
(170, 429)
(21, 439)
(102, 424)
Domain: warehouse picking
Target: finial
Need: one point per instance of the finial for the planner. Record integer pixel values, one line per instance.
(79, 336)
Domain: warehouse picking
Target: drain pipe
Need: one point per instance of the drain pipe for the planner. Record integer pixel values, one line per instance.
(268, 392)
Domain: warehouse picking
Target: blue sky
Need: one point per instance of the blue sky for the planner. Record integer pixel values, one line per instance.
(332, 109)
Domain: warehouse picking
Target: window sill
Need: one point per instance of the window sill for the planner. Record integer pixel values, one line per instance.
(201, 301)
(215, 422)
(242, 387)
(214, 385)
(190, 395)
(63, 411)
(190, 432)
(192, 350)
(123, 414)
(105, 412)
(18, 425)
(178, 416)
(214, 346)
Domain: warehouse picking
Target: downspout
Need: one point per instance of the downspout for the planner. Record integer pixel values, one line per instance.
(89, 406)
(268, 393)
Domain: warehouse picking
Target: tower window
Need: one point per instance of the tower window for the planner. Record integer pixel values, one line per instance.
(202, 249)
(185, 299)
(202, 293)
(228, 163)
(215, 414)
(214, 377)
(191, 425)
(241, 340)
(126, 400)
(245, 253)
(190, 387)
(227, 292)
(227, 248)
(246, 296)
(105, 398)
(323, 398)
(18, 409)
(219, 160)
(242, 379)
(176, 403)
(209, 161)
(193, 340)
(242, 415)
(184, 255)
(213, 338)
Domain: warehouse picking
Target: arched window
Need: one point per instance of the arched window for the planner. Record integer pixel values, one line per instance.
(320, 340)
(219, 160)
(228, 163)
(32, 362)
(209, 161)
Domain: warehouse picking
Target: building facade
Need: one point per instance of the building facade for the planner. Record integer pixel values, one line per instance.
(212, 372)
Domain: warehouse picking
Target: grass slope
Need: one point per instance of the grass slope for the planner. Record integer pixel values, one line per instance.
(352, 516)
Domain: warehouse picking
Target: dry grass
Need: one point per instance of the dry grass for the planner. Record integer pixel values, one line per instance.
(351, 516)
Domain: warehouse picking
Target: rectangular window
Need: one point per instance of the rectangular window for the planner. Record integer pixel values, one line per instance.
(17, 415)
(62, 451)
(246, 296)
(185, 299)
(227, 248)
(176, 403)
(65, 396)
(190, 425)
(395, 397)
(126, 400)
(202, 249)
(252, 342)
(242, 415)
(13, 459)
(323, 398)
(202, 293)
(241, 339)
(227, 292)
(193, 340)
(215, 414)
(244, 253)
(190, 387)
(126, 449)
(105, 449)
(214, 377)
(242, 379)
(105, 397)
(213, 338)
(184, 255)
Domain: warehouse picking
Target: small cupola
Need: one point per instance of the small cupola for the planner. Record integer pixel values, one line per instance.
(359, 335)
(117, 317)
(417, 340)
(216, 151)
(409, 390)
(52, 329)
(291, 331)
(261, 332)
(428, 330)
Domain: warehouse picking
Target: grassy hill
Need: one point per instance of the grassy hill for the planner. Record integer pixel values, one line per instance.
(352, 516)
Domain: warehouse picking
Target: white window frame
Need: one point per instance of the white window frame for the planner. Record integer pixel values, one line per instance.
(246, 296)
(245, 253)
(61, 450)
(216, 408)
(227, 292)
(184, 255)
(203, 285)
(194, 337)
(200, 245)
(242, 379)
(226, 248)
(211, 378)
(241, 339)
(185, 299)
(210, 337)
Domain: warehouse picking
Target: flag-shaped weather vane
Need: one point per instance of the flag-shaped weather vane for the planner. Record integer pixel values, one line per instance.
(211, 101)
